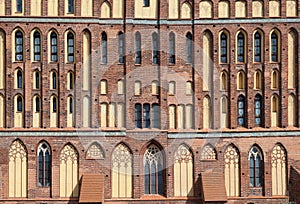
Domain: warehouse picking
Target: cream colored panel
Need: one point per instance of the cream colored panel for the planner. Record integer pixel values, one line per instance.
(120, 87)
(240, 80)
(190, 181)
(274, 8)
(18, 117)
(180, 116)
(291, 111)
(154, 86)
(35, 8)
(17, 170)
(86, 61)
(188, 116)
(257, 9)
(223, 79)
(231, 160)
(2, 7)
(206, 63)
(206, 113)
(70, 121)
(183, 183)
(292, 49)
(112, 114)
(186, 11)
(86, 112)
(223, 9)
(103, 87)
(205, 9)
(105, 10)
(118, 9)
(173, 9)
(188, 88)
(171, 90)
(223, 112)
(2, 59)
(172, 121)
(274, 111)
(52, 7)
(240, 9)
(86, 7)
(177, 178)
(75, 189)
(2, 111)
(137, 88)
(278, 162)
(291, 8)
(274, 120)
(257, 80)
(141, 11)
(103, 122)
(120, 115)
(121, 172)
(274, 80)
(53, 115)
(62, 179)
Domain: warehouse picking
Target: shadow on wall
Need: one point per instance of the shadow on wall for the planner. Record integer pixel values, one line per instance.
(294, 185)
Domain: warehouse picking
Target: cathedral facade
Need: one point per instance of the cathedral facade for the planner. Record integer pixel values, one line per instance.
(149, 101)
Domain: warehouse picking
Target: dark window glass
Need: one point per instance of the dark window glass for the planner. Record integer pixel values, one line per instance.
(172, 48)
(54, 80)
(256, 168)
(70, 6)
(138, 115)
(155, 116)
(153, 178)
(37, 79)
(19, 104)
(37, 46)
(274, 47)
(223, 48)
(241, 110)
(37, 104)
(19, 79)
(53, 47)
(138, 49)
(19, 46)
(70, 39)
(189, 44)
(44, 167)
(146, 113)
(258, 110)
(121, 48)
(240, 48)
(146, 3)
(257, 47)
(104, 47)
(160, 178)
(54, 104)
(71, 105)
(155, 53)
(19, 6)
(147, 178)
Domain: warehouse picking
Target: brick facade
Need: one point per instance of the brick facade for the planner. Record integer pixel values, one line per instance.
(168, 140)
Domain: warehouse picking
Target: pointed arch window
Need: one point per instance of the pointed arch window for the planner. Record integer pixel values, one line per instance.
(70, 105)
(155, 53)
(138, 49)
(274, 47)
(19, 79)
(53, 41)
(19, 104)
(104, 47)
(54, 104)
(256, 167)
(36, 79)
(121, 47)
(37, 46)
(153, 170)
(258, 110)
(37, 104)
(172, 48)
(241, 110)
(54, 80)
(44, 167)
(70, 48)
(189, 44)
(224, 48)
(70, 80)
(240, 47)
(121, 172)
(257, 47)
(232, 171)
(19, 46)
(208, 153)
